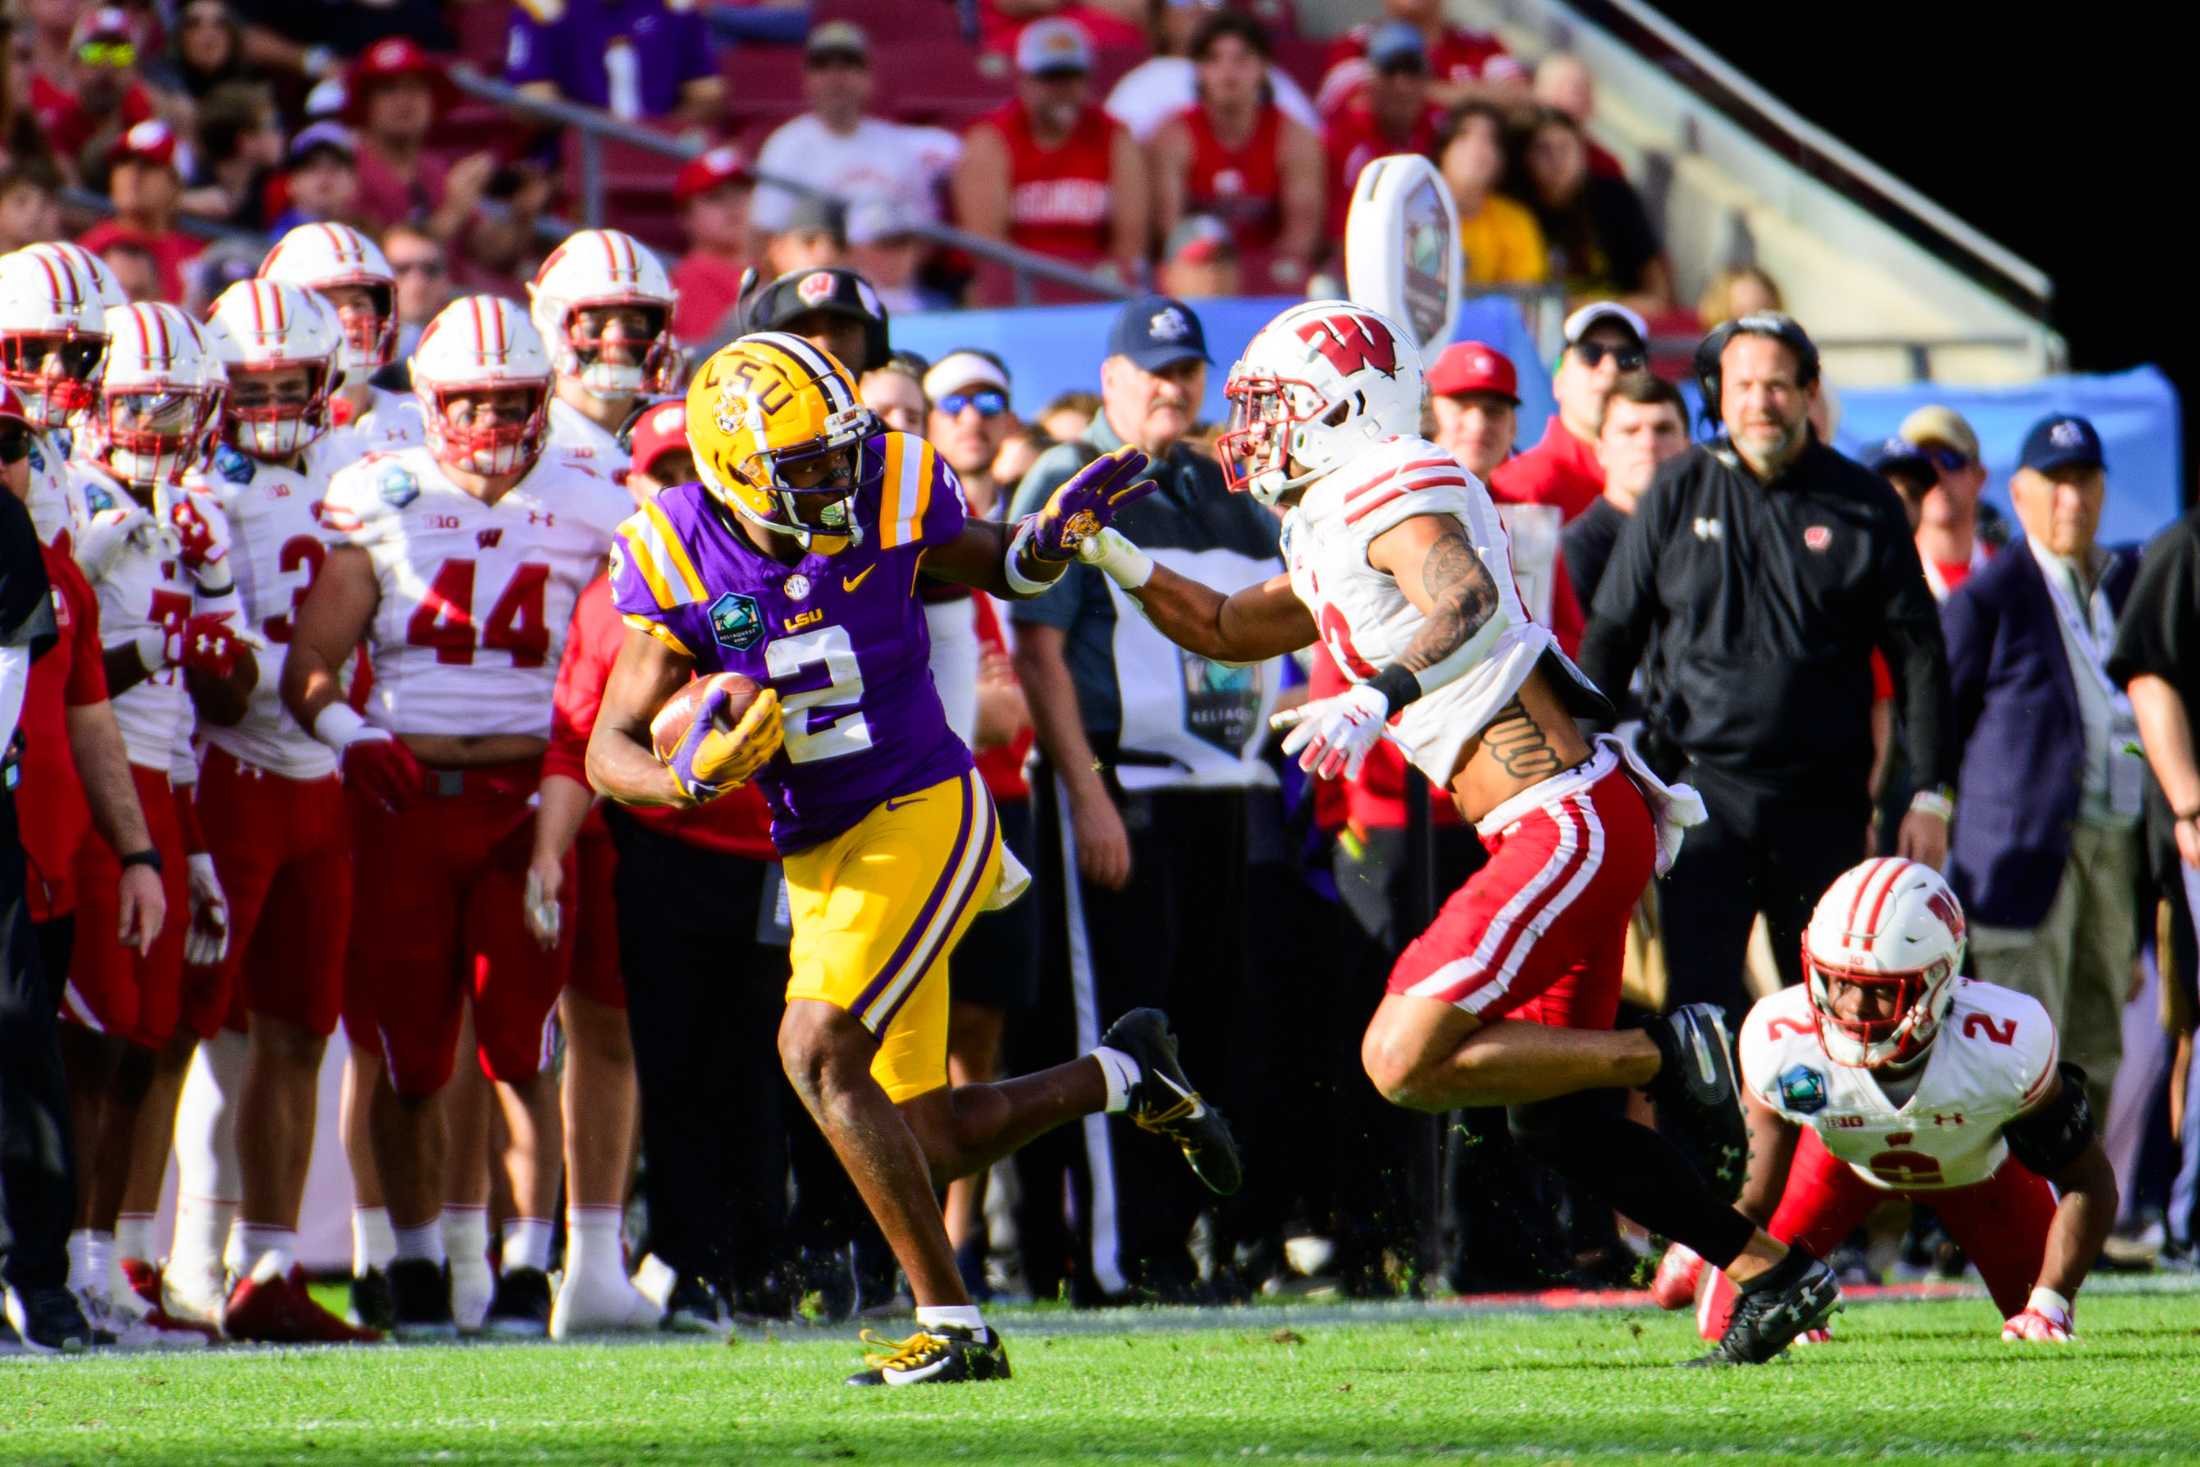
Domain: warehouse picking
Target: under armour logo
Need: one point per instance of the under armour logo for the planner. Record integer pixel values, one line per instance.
(539, 517)
(1948, 1120)
(1168, 325)
(1710, 528)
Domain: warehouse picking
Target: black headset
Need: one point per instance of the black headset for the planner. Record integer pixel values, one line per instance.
(1776, 324)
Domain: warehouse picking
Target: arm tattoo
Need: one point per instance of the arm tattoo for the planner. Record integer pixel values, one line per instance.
(1462, 598)
(1516, 741)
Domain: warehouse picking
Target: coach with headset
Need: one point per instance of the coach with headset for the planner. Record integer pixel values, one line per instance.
(1767, 568)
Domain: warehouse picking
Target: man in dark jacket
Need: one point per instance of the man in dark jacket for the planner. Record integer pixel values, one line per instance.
(2047, 851)
(1768, 567)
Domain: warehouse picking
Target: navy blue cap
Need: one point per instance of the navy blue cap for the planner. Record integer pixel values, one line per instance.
(1890, 454)
(1394, 44)
(1156, 332)
(2061, 441)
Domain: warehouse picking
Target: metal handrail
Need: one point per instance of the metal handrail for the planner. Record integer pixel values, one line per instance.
(596, 127)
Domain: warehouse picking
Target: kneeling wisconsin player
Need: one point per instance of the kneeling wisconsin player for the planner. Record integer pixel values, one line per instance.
(795, 562)
(1397, 563)
(1885, 1075)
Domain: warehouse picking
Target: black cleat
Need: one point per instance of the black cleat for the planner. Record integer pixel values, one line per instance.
(371, 1304)
(1797, 1294)
(520, 1308)
(49, 1321)
(1164, 1102)
(1698, 1094)
(420, 1301)
(693, 1307)
(940, 1354)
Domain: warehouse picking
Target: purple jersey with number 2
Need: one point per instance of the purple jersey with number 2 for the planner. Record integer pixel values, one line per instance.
(842, 637)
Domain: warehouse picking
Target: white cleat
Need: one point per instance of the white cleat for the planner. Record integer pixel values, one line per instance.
(130, 1331)
(194, 1297)
(603, 1304)
(473, 1287)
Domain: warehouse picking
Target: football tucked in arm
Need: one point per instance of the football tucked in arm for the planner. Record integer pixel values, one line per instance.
(716, 732)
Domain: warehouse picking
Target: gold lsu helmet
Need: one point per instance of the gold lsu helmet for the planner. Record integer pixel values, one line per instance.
(763, 405)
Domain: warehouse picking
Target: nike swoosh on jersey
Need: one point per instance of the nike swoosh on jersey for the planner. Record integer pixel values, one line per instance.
(849, 583)
(906, 800)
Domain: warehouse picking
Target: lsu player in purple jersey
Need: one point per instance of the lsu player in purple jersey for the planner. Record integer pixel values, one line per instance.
(796, 561)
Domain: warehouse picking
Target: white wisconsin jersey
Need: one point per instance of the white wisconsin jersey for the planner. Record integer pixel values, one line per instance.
(55, 502)
(1366, 622)
(1994, 1057)
(145, 584)
(476, 598)
(393, 420)
(278, 546)
(574, 433)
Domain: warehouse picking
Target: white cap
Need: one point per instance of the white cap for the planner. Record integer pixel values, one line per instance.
(1056, 44)
(959, 370)
(1578, 324)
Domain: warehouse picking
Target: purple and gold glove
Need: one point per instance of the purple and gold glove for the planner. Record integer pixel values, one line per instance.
(1085, 505)
(710, 760)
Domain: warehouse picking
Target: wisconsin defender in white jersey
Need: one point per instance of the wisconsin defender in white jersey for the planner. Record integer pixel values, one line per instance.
(1884, 1074)
(349, 271)
(459, 566)
(1397, 562)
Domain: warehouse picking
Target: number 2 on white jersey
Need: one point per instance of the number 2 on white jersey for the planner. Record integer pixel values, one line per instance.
(824, 664)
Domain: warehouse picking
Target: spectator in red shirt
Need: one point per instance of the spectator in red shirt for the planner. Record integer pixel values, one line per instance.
(1950, 538)
(1466, 65)
(1565, 82)
(1393, 114)
(713, 192)
(393, 94)
(1234, 155)
(1050, 170)
(1603, 340)
(83, 107)
(146, 189)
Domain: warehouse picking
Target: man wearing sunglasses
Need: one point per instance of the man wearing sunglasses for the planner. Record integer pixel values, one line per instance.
(1954, 537)
(1603, 340)
(96, 96)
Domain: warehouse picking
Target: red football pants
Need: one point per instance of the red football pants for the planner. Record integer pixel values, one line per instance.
(594, 870)
(2001, 1222)
(439, 896)
(112, 989)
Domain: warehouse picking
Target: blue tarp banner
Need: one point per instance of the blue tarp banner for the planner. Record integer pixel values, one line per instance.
(1055, 349)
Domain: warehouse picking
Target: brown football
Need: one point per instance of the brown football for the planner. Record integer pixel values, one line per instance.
(674, 719)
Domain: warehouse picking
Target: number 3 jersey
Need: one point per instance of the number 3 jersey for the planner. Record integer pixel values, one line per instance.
(841, 636)
(1993, 1058)
(476, 598)
(1366, 621)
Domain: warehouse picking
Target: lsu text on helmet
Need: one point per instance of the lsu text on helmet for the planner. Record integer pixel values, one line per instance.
(1316, 385)
(778, 434)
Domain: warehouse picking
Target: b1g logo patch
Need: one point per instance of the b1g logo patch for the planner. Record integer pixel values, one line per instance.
(736, 621)
(1802, 1090)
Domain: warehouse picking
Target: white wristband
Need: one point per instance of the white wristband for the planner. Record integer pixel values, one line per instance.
(339, 726)
(1112, 553)
(1018, 582)
(2048, 1302)
(1933, 802)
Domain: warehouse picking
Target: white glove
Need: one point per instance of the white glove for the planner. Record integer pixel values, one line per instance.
(103, 536)
(207, 941)
(1110, 552)
(544, 919)
(1336, 733)
(2045, 1320)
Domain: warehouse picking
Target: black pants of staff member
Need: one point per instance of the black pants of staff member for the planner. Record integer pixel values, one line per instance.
(37, 1165)
(1174, 937)
(704, 999)
(1758, 852)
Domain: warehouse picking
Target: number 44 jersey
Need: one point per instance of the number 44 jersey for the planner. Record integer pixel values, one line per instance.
(1993, 1059)
(476, 598)
(841, 636)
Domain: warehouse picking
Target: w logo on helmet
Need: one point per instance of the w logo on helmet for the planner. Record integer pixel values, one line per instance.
(1943, 906)
(1351, 342)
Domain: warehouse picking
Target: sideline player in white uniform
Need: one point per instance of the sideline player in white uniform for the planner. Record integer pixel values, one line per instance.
(275, 823)
(603, 303)
(53, 336)
(459, 567)
(1397, 563)
(157, 554)
(350, 272)
(1885, 1075)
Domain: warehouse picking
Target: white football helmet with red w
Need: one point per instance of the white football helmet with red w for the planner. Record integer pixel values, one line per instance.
(160, 395)
(1887, 924)
(1318, 384)
(477, 345)
(329, 257)
(264, 327)
(597, 268)
(53, 332)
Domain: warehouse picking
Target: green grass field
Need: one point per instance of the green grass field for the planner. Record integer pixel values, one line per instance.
(1908, 1380)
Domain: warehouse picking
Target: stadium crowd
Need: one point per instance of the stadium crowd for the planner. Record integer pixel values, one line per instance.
(562, 1104)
